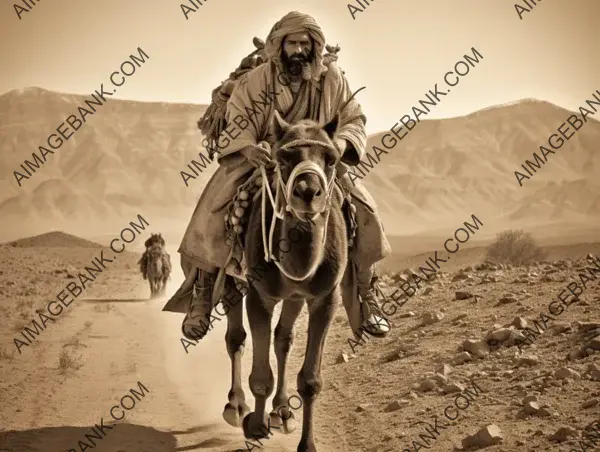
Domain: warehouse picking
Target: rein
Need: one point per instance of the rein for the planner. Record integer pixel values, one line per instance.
(283, 192)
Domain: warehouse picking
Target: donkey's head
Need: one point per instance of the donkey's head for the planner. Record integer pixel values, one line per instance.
(307, 158)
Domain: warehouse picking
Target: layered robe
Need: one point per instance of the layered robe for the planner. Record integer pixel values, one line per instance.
(204, 239)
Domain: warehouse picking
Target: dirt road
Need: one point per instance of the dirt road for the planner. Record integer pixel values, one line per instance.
(112, 338)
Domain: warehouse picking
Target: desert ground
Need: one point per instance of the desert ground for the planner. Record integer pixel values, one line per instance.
(378, 399)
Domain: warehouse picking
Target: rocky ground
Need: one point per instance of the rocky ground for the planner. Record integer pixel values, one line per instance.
(457, 341)
(454, 344)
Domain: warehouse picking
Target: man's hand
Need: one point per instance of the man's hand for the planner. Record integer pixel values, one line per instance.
(257, 155)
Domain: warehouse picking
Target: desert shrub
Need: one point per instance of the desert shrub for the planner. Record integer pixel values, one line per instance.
(515, 247)
(5, 355)
(66, 362)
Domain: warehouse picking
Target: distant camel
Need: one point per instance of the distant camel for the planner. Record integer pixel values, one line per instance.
(313, 272)
(155, 265)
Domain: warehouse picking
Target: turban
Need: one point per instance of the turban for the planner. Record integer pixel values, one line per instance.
(295, 22)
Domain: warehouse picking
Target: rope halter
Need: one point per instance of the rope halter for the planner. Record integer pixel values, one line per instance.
(284, 191)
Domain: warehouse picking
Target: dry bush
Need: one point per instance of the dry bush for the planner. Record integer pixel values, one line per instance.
(66, 362)
(74, 342)
(4, 355)
(515, 247)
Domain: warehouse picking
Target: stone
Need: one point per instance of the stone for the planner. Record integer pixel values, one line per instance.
(590, 403)
(343, 358)
(427, 385)
(565, 372)
(452, 388)
(594, 344)
(562, 434)
(430, 318)
(500, 335)
(396, 405)
(529, 360)
(460, 295)
(462, 358)
(545, 411)
(487, 436)
(519, 322)
(530, 398)
(507, 300)
(439, 379)
(531, 407)
(477, 347)
(443, 369)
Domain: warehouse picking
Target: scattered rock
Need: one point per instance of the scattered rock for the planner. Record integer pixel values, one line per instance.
(443, 369)
(462, 358)
(462, 295)
(487, 436)
(452, 388)
(530, 360)
(500, 335)
(343, 358)
(562, 434)
(507, 300)
(565, 372)
(427, 385)
(531, 407)
(477, 347)
(396, 405)
(519, 322)
(430, 318)
(590, 403)
(545, 411)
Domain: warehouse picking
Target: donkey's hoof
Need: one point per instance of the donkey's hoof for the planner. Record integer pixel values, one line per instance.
(233, 415)
(286, 425)
(254, 427)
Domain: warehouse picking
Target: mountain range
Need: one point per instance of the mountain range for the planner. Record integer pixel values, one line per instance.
(127, 159)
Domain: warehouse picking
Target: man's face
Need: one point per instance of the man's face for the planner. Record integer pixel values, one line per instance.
(297, 52)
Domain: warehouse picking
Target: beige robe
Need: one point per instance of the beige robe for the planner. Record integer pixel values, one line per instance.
(204, 239)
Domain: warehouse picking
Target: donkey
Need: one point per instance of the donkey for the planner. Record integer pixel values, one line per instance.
(155, 265)
(313, 271)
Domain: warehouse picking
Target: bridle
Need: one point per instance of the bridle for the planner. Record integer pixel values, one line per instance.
(283, 192)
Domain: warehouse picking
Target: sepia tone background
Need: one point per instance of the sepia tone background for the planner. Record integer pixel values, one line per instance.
(127, 159)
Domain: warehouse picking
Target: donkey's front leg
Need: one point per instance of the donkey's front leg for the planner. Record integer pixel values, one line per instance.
(282, 415)
(261, 377)
(310, 382)
(235, 338)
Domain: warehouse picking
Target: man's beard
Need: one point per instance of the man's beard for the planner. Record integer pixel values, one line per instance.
(298, 66)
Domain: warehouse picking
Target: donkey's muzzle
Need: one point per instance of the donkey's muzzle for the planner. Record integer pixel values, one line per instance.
(308, 194)
(307, 190)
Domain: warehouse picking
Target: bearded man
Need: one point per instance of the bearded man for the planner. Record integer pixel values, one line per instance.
(306, 87)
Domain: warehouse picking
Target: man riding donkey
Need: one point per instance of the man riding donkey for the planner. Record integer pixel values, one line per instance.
(301, 83)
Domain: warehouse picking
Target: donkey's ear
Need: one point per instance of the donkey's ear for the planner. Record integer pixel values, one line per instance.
(280, 127)
(331, 127)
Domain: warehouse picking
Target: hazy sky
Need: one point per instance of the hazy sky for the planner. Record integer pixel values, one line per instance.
(398, 49)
